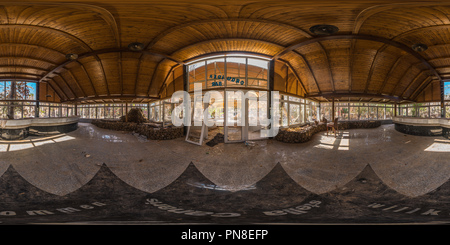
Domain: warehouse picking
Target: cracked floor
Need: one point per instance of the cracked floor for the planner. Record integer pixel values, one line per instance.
(95, 175)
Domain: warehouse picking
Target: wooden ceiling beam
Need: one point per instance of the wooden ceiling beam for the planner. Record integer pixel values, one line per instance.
(67, 85)
(295, 74)
(24, 67)
(327, 60)
(412, 82)
(388, 75)
(309, 69)
(192, 23)
(20, 73)
(400, 80)
(59, 88)
(421, 87)
(360, 37)
(76, 82)
(50, 63)
(35, 28)
(105, 51)
(87, 75)
(33, 47)
(372, 67)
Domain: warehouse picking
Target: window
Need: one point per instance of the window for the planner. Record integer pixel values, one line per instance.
(16, 92)
(359, 111)
(294, 114)
(446, 90)
(229, 71)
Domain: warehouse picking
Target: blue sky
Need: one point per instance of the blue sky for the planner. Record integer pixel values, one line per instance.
(447, 88)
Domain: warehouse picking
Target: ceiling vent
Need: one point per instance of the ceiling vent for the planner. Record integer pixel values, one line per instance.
(136, 46)
(71, 56)
(323, 29)
(419, 47)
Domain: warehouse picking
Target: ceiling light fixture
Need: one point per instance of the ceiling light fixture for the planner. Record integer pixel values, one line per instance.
(324, 29)
(136, 46)
(419, 47)
(71, 56)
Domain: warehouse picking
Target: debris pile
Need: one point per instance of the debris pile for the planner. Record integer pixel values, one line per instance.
(219, 138)
(148, 130)
(134, 115)
(304, 133)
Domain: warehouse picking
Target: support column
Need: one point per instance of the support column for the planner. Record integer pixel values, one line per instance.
(332, 110)
(271, 77)
(186, 88)
(126, 111)
(36, 112)
(442, 99)
(395, 109)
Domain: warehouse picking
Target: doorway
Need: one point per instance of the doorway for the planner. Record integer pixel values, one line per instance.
(243, 114)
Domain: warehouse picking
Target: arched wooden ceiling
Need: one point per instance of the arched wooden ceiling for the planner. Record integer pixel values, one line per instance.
(370, 56)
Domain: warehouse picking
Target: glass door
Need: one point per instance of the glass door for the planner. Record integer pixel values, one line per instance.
(256, 108)
(243, 114)
(233, 117)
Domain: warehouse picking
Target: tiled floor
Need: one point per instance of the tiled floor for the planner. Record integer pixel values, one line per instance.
(326, 180)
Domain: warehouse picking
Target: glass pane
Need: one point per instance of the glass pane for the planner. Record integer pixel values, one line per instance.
(9, 92)
(157, 114)
(234, 117)
(354, 113)
(423, 112)
(29, 111)
(372, 112)
(3, 112)
(364, 113)
(117, 112)
(20, 90)
(257, 111)
(197, 74)
(2, 90)
(43, 111)
(435, 111)
(195, 133)
(100, 112)
(284, 113)
(216, 72)
(257, 73)
(294, 114)
(109, 113)
(168, 112)
(381, 113)
(92, 112)
(31, 91)
(342, 113)
(236, 72)
(447, 90)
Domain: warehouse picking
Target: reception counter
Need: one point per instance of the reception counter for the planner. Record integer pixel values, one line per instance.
(423, 126)
(15, 129)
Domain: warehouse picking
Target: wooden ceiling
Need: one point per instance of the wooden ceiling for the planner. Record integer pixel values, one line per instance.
(369, 57)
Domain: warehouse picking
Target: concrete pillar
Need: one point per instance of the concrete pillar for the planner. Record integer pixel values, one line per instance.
(442, 99)
(36, 112)
(332, 110)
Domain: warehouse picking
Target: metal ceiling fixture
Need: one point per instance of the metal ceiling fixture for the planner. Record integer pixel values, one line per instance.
(136, 46)
(71, 56)
(419, 47)
(324, 29)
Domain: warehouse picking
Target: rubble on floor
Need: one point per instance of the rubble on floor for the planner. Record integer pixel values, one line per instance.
(148, 130)
(304, 133)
